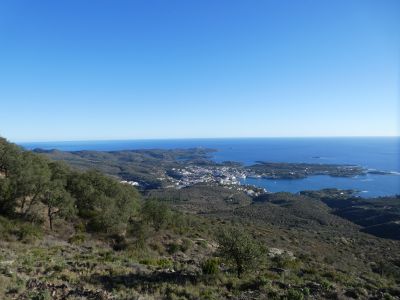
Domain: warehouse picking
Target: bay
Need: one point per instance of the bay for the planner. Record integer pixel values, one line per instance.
(381, 153)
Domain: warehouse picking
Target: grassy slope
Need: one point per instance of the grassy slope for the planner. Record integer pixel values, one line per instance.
(319, 255)
(332, 258)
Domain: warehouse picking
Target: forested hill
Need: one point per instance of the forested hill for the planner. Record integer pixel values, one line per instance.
(34, 188)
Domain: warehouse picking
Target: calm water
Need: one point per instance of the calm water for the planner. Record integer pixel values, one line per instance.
(372, 153)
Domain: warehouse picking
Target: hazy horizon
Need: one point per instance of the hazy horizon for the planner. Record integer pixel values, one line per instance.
(203, 138)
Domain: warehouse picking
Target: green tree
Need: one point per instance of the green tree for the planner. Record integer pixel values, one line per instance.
(156, 213)
(9, 156)
(59, 171)
(7, 202)
(28, 180)
(238, 248)
(25, 179)
(105, 203)
(58, 201)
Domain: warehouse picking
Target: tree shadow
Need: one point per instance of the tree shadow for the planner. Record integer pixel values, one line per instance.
(135, 280)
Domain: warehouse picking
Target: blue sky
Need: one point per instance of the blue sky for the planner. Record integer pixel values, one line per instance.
(93, 69)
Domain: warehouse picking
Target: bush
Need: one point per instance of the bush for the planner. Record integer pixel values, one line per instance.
(165, 263)
(238, 248)
(327, 285)
(119, 243)
(210, 266)
(179, 222)
(41, 295)
(7, 227)
(173, 248)
(77, 239)
(186, 245)
(80, 227)
(293, 294)
(106, 204)
(156, 213)
(286, 261)
(28, 232)
(140, 231)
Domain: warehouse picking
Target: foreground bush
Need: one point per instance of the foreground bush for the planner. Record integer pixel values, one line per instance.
(210, 266)
(239, 249)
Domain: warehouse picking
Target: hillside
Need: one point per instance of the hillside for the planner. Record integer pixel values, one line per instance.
(78, 234)
(378, 216)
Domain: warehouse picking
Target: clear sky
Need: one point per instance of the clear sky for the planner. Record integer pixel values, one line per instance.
(93, 69)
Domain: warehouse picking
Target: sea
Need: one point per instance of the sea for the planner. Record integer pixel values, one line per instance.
(380, 153)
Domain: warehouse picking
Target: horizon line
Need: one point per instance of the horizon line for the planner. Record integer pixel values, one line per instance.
(199, 138)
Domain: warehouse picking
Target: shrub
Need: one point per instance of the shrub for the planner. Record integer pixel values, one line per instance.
(179, 222)
(7, 227)
(140, 231)
(106, 204)
(77, 239)
(294, 294)
(286, 261)
(156, 213)
(41, 295)
(210, 266)
(208, 294)
(306, 291)
(165, 263)
(119, 243)
(173, 248)
(238, 248)
(186, 245)
(28, 232)
(327, 285)
(157, 246)
(80, 227)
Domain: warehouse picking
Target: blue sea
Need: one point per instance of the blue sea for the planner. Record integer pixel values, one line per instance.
(372, 153)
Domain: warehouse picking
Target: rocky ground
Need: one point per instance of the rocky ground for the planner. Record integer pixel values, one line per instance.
(310, 254)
